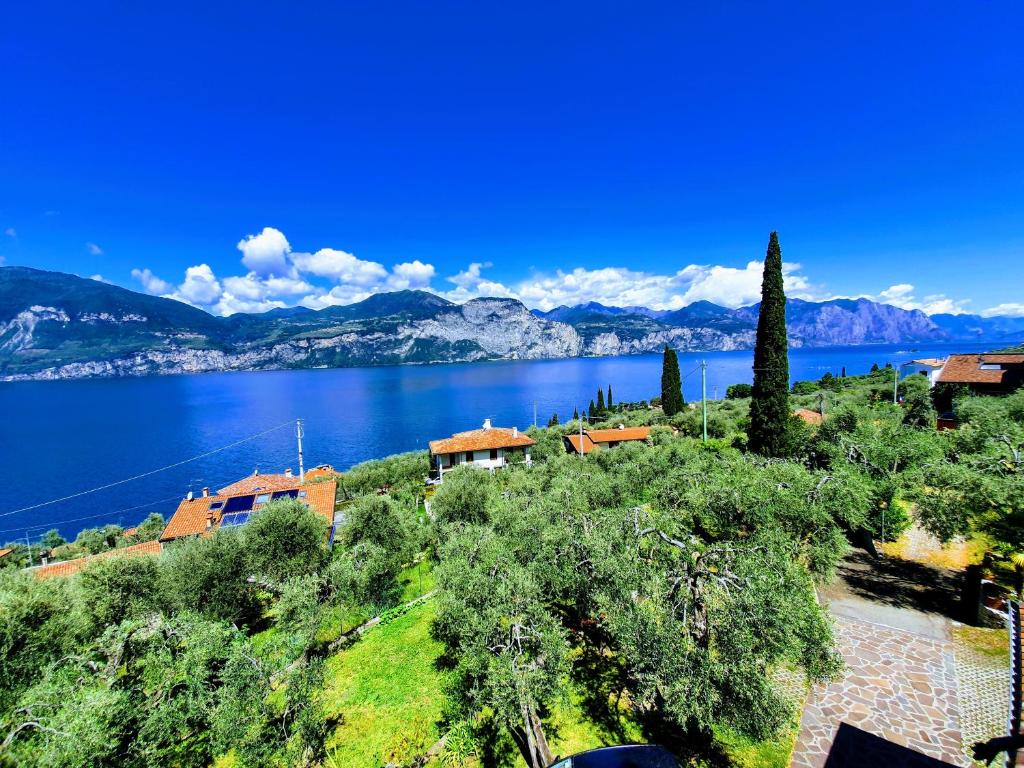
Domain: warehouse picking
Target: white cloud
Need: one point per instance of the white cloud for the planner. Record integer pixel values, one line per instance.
(151, 283)
(252, 287)
(266, 253)
(340, 266)
(200, 288)
(229, 304)
(902, 295)
(11, 232)
(620, 286)
(93, 249)
(411, 274)
(1011, 309)
(338, 295)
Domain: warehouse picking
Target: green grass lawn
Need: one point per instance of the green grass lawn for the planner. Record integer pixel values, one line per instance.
(387, 690)
(416, 580)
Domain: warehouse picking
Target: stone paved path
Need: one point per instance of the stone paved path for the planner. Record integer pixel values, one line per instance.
(899, 686)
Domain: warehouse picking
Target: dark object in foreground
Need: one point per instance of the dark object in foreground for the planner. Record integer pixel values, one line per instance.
(854, 748)
(628, 756)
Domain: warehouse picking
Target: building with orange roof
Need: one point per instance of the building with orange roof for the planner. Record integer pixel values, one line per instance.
(602, 439)
(809, 417)
(984, 374)
(5, 551)
(69, 567)
(199, 515)
(930, 367)
(486, 448)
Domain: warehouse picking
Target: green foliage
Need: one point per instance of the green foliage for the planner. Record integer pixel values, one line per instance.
(917, 402)
(738, 391)
(466, 496)
(671, 383)
(285, 538)
(149, 529)
(553, 421)
(377, 520)
(805, 387)
(769, 406)
(211, 575)
(115, 588)
(600, 403)
(610, 404)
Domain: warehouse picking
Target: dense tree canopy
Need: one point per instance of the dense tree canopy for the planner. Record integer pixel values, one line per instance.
(768, 433)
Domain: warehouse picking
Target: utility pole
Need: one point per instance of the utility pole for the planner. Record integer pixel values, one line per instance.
(534, 414)
(704, 394)
(31, 562)
(895, 383)
(581, 437)
(298, 436)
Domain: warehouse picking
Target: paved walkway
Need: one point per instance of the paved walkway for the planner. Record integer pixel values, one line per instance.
(899, 686)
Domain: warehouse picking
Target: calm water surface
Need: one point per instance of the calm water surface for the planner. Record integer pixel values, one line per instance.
(58, 438)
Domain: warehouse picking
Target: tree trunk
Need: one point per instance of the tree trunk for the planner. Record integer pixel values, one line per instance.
(543, 750)
(531, 744)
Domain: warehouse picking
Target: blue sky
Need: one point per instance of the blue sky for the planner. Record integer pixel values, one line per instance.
(628, 154)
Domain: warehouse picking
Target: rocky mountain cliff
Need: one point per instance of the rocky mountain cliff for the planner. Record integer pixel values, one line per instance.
(55, 326)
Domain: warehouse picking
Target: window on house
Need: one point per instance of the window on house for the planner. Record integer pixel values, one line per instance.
(494, 454)
(469, 456)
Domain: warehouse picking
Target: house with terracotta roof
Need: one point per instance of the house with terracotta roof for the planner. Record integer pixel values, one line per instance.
(984, 374)
(602, 439)
(487, 448)
(808, 417)
(930, 367)
(200, 515)
(70, 567)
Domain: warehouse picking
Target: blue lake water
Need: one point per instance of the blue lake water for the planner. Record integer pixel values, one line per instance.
(60, 438)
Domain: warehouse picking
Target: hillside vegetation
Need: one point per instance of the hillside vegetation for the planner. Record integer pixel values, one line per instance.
(647, 592)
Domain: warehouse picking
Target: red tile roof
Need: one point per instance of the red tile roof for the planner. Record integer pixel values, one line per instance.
(260, 482)
(591, 437)
(808, 416)
(618, 435)
(574, 443)
(6, 551)
(69, 567)
(194, 516)
(967, 369)
(481, 440)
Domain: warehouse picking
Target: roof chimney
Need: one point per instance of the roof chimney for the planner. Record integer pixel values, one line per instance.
(515, 431)
(190, 496)
(487, 423)
(622, 426)
(206, 492)
(256, 470)
(288, 472)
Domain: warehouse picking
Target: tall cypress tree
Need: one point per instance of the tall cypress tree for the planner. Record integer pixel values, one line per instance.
(600, 400)
(609, 397)
(671, 383)
(575, 414)
(590, 411)
(768, 433)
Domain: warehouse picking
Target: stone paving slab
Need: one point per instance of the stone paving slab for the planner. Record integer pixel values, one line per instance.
(898, 685)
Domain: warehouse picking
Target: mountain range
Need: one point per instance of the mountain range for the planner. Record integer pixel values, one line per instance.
(56, 326)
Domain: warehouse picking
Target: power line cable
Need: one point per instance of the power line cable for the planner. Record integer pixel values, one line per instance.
(176, 497)
(146, 474)
(91, 517)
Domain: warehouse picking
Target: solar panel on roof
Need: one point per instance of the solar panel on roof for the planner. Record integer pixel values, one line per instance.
(289, 494)
(235, 518)
(239, 504)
